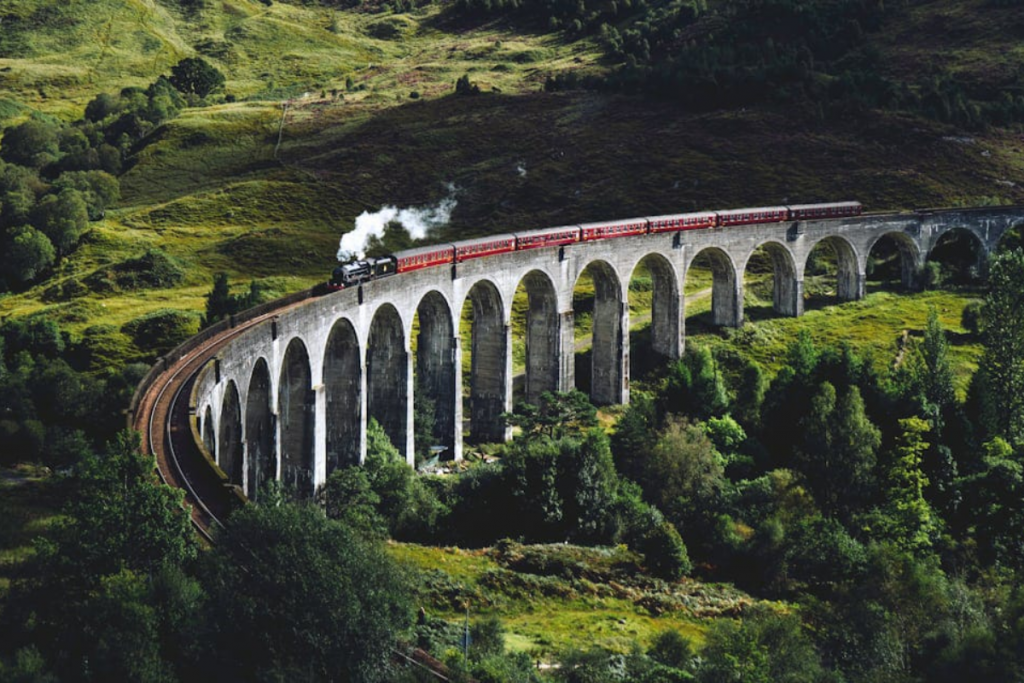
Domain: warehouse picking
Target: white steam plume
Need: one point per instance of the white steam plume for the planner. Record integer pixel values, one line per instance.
(418, 222)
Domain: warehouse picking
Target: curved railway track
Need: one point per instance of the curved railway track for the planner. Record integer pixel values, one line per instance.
(162, 418)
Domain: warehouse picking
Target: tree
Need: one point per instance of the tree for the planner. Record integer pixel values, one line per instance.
(683, 465)
(218, 301)
(32, 143)
(196, 76)
(906, 519)
(765, 647)
(560, 414)
(63, 218)
(296, 596)
(119, 524)
(99, 189)
(29, 252)
(1002, 363)
(588, 482)
(695, 386)
(348, 497)
(937, 378)
(838, 449)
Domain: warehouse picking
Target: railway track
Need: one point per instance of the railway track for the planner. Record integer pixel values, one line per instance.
(162, 418)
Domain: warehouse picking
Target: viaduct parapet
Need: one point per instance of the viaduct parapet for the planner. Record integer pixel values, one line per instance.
(290, 399)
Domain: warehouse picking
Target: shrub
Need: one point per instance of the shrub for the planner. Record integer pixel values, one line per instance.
(162, 330)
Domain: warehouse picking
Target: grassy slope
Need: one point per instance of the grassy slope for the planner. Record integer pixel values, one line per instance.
(208, 189)
(549, 614)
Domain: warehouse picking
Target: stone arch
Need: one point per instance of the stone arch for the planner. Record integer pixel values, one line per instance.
(608, 370)
(209, 440)
(849, 279)
(229, 451)
(909, 255)
(296, 412)
(489, 351)
(435, 365)
(387, 376)
(666, 330)
(787, 298)
(943, 237)
(542, 335)
(343, 379)
(726, 300)
(260, 451)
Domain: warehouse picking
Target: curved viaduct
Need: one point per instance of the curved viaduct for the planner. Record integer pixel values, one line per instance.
(289, 398)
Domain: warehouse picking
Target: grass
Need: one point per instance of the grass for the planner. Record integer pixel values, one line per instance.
(871, 326)
(588, 602)
(27, 508)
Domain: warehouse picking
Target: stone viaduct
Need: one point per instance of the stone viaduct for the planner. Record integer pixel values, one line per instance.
(290, 399)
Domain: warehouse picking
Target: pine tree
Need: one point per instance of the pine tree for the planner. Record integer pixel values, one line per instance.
(1002, 364)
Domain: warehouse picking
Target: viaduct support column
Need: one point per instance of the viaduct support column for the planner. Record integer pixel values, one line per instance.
(319, 473)
(566, 351)
(363, 405)
(409, 446)
(851, 285)
(457, 398)
(789, 297)
(727, 303)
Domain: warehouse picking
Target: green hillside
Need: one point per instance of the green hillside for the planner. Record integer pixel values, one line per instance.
(333, 112)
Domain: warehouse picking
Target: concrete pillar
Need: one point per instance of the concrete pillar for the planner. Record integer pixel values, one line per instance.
(787, 295)
(364, 401)
(623, 396)
(409, 447)
(798, 297)
(542, 339)
(566, 351)
(727, 302)
(509, 388)
(608, 357)
(319, 437)
(456, 398)
(489, 382)
(666, 312)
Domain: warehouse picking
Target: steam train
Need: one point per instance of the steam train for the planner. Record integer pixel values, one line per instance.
(360, 271)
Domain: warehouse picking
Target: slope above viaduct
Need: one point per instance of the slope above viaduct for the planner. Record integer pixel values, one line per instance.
(290, 398)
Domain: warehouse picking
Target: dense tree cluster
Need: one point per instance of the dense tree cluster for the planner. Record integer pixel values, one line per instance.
(55, 178)
(889, 508)
(118, 591)
(58, 398)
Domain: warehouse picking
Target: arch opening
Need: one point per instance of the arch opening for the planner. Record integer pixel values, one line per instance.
(892, 262)
(483, 321)
(957, 258)
(435, 393)
(654, 310)
(297, 410)
(831, 273)
(770, 285)
(342, 392)
(598, 312)
(535, 337)
(260, 452)
(387, 376)
(229, 451)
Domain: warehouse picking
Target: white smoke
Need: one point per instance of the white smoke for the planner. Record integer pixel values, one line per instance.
(418, 222)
